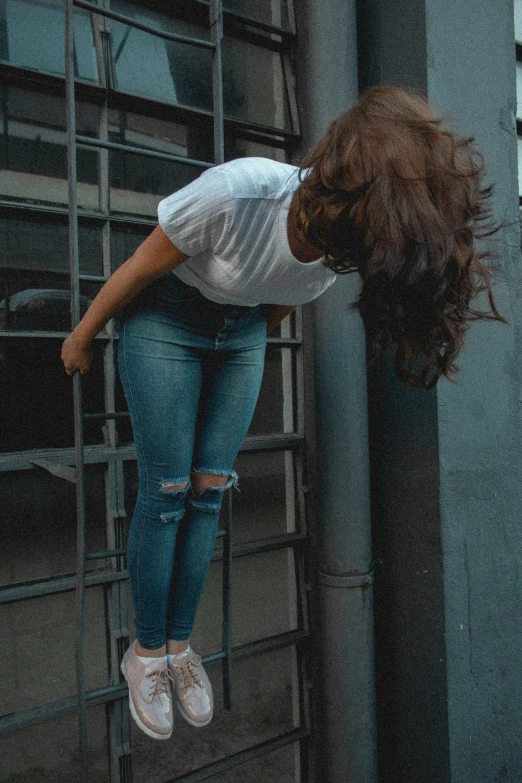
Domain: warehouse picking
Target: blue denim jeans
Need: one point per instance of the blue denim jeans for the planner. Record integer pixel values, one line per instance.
(191, 371)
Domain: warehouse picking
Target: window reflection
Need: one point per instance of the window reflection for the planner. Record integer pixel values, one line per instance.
(164, 70)
(29, 22)
(261, 100)
(33, 149)
(43, 246)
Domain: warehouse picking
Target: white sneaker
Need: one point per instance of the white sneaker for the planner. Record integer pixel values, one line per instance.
(192, 688)
(150, 698)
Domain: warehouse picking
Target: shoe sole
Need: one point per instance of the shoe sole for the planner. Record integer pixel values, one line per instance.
(134, 714)
(189, 720)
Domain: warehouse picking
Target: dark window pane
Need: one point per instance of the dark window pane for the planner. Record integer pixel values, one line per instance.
(265, 11)
(261, 100)
(139, 182)
(266, 505)
(125, 239)
(35, 37)
(47, 519)
(275, 407)
(244, 148)
(43, 246)
(41, 622)
(33, 149)
(49, 751)
(282, 765)
(36, 400)
(138, 130)
(159, 69)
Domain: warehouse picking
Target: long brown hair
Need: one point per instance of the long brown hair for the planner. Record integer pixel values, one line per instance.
(392, 193)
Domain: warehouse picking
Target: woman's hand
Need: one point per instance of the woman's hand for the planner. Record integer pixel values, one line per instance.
(76, 354)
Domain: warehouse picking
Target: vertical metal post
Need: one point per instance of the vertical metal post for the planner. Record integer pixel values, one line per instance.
(216, 32)
(77, 386)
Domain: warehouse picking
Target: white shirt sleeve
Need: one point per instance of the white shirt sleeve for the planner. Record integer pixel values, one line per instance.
(196, 217)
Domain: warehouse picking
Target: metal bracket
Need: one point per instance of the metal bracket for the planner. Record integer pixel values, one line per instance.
(57, 469)
(350, 580)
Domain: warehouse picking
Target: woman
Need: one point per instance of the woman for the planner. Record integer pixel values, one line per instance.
(389, 193)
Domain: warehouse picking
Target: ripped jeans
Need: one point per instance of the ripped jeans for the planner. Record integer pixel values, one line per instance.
(191, 371)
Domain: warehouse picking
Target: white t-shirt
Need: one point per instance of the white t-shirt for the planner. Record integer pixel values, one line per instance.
(231, 221)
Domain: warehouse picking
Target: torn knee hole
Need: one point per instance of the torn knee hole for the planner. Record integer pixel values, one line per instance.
(212, 481)
(174, 486)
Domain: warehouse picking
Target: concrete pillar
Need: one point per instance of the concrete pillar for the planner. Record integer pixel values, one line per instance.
(447, 465)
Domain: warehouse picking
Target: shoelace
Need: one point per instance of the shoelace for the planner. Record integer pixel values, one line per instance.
(160, 683)
(187, 668)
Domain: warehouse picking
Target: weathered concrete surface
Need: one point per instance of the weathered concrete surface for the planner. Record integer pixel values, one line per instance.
(447, 466)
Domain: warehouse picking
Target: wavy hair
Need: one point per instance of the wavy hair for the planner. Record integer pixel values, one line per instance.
(393, 194)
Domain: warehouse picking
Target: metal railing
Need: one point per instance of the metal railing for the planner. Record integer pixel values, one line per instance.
(69, 464)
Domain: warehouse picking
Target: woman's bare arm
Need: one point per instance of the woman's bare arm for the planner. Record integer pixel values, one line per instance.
(276, 315)
(154, 257)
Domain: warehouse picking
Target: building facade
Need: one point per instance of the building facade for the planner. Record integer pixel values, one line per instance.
(103, 114)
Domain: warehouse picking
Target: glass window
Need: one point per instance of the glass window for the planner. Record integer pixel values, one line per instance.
(519, 147)
(125, 239)
(163, 70)
(42, 245)
(261, 100)
(266, 505)
(33, 149)
(35, 37)
(272, 12)
(154, 133)
(237, 147)
(138, 182)
(275, 407)
(45, 420)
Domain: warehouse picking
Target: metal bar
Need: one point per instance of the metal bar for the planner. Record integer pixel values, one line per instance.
(61, 584)
(242, 757)
(83, 214)
(22, 460)
(278, 341)
(265, 545)
(112, 415)
(87, 141)
(105, 553)
(93, 278)
(284, 341)
(57, 584)
(111, 693)
(56, 469)
(291, 97)
(77, 386)
(95, 92)
(141, 26)
(216, 31)
(226, 635)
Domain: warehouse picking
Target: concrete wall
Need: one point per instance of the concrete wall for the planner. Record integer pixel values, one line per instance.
(447, 465)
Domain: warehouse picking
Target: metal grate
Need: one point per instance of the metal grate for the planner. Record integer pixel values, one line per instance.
(69, 464)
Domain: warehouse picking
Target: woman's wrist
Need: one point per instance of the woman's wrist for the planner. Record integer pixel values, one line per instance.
(82, 336)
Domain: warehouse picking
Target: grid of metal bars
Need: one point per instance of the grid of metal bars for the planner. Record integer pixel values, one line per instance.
(69, 464)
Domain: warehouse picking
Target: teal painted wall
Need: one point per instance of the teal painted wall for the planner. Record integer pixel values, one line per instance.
(447, 465)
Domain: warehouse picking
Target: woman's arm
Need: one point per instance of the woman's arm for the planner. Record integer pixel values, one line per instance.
(276, 314)
(154, 257)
